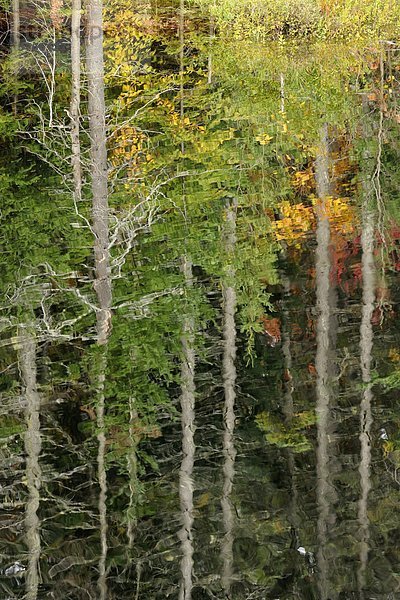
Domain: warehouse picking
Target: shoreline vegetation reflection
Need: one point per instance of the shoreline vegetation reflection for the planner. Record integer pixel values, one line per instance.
(199, 340)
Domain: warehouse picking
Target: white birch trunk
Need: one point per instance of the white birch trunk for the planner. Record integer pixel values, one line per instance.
(211, 39)
(187, 386)
(132, 472)
(188, 445)
(323, 267)
(366, 344)
(100, 221)
(99, 171)
(76, 99)
(33, 444)
(288, 404)
(229, 379)
(15, 24)
(15, 40)
(101, 472)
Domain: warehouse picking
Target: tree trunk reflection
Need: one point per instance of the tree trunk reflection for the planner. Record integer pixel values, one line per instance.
(229, 379)
(187, 381)
(366, 343)
(33, 444)
(102, 283)
(323, 268)
(188, 446)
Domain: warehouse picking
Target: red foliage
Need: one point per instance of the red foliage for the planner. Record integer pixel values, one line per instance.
(312, 370)
(272, 330)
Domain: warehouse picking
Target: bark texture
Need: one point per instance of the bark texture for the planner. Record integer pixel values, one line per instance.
(76, 98)
(101, 471)
(15, 24)
(100, 225)
(33, 445)
(366, 344)
(229, 379)
(323, 268)
(15, 39)
(188, 445)
(99, 171)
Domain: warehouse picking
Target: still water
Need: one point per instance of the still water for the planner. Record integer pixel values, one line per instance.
(235, 435)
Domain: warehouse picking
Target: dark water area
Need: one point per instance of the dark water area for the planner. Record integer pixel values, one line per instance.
(215, 413)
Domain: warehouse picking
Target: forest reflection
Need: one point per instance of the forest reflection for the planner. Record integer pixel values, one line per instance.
(199, 352)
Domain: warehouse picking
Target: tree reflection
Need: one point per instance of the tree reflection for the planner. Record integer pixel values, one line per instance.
(188, 446)
(33, 444)
(229, 378)
(323, 269)
(366, 344)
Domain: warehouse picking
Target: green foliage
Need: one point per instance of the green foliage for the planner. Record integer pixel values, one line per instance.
(10, 427)
(359, 22)
(284, 435)
(389, 382)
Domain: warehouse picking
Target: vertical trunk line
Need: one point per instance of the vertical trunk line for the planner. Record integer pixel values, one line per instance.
(33, 444)
(15, 24)
(211, 39)
(102, 282)
(181, 64)
(188, 445)
(99, 171)
(188, 388)
(288, 406)
(366, 345)
(102, 473)
(229, 379)
(132, 471)
(76, 98)
(16, 35)
(323, 267)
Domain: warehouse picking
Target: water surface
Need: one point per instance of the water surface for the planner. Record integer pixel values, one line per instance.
(237, 434)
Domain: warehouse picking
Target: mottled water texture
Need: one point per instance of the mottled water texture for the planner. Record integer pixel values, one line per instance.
(199, 333)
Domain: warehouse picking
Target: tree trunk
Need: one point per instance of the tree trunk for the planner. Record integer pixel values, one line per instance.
(229, 379)
(288, 410)
(97, 129)
(101, 470)
(188, 446)
(132, 472)
(76, 98)
(323, 268)
(187, 385)
(16, 35)
(211, 38)
(33, 444)
(102, 283)
(15, 24)
(366, 343)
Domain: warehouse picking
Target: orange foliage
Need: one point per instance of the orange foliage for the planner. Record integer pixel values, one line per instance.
(129, 149)
(55, 13)
(297, 219)
(303, 181)
(272, 329)
(312, 370)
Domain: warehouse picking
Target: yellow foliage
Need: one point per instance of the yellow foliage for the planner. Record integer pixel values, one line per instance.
(303, 181)
(297, 219)
(340, 213)
(296, 222)
(388, 448)
(129, 147)
(394, 355)
(264, 139)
